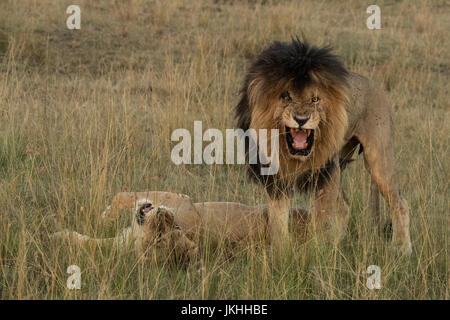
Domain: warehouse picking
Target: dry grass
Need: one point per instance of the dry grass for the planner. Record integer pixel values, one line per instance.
(85, 114)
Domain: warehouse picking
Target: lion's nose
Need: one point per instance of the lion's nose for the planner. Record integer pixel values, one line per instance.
(301, 121)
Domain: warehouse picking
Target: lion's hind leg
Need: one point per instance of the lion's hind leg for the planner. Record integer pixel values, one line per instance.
(379, 161)
(346, 157)
(383, 174)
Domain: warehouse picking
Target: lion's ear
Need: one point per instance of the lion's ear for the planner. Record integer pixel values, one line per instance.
(165, 220)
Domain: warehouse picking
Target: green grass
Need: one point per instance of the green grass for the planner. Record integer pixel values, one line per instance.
(85, 114)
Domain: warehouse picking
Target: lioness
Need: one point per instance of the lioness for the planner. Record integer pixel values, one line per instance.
(167, 224)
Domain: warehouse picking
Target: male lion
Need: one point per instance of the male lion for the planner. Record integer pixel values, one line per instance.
(323, 112)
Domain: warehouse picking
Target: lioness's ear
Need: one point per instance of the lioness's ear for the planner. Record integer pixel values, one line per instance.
(165, 220)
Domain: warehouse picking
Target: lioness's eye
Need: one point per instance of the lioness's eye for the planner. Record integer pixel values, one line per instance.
(315, 99)
(286, 96)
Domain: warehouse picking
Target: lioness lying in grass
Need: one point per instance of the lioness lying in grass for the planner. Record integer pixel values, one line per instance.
(170, 225)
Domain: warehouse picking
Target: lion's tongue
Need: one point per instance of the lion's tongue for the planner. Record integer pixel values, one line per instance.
(299, 139)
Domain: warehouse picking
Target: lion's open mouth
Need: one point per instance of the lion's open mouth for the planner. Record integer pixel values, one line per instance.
(299, 141)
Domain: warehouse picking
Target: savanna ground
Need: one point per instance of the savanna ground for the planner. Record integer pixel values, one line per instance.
(88, 113)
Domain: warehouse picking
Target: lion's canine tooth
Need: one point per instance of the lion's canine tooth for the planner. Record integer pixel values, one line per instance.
(308, 131)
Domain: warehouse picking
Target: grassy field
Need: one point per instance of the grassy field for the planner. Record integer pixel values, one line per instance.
(87, 113)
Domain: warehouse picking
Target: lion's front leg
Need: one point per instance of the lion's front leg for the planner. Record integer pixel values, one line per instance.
(278, 220)
(330, 210)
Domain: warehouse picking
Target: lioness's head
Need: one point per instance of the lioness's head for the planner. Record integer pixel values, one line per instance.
(301, 90)
(162, 236)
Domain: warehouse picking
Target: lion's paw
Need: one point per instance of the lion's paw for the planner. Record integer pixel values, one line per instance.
(402, 248)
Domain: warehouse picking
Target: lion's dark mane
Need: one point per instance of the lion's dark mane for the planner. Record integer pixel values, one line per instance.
(292, 61)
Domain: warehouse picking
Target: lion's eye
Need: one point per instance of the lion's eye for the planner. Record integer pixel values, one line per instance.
(315, 99)
(286, 96)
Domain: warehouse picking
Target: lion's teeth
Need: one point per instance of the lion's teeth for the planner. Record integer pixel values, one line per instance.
(293, 131)
(308, 132)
